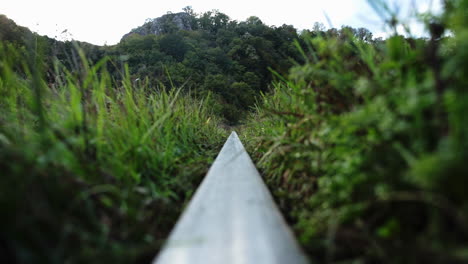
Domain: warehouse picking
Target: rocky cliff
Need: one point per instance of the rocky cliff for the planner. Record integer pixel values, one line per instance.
(165, 24)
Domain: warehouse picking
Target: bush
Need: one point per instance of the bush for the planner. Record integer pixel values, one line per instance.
(364, 146)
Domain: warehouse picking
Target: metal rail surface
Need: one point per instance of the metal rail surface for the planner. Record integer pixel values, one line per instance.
(231, 218)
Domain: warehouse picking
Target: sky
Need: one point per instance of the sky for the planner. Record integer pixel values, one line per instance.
(105, 22)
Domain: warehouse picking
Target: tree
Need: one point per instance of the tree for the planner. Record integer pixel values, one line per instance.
(173, 45)
(318, 27)
(253, 20)
(189, 11)
(364, 34)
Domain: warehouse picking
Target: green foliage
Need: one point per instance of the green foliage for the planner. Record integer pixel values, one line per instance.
(364, 145)
(94, 169)
(217, 54)
(12, 33)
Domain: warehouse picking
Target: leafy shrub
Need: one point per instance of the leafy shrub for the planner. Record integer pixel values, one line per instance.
(364, 145)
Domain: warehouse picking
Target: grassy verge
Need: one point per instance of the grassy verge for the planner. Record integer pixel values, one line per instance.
(365, 146)
(93, 169)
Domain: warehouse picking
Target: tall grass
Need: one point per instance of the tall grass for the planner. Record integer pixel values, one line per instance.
(94, 169)
(365, 146)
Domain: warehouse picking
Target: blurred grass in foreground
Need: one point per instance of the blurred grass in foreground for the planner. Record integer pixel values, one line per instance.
(92, 169)
(365, 146)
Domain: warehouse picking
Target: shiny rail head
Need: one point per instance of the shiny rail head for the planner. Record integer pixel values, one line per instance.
(231, 218)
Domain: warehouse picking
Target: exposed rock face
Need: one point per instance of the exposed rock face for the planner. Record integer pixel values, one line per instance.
(165, 24)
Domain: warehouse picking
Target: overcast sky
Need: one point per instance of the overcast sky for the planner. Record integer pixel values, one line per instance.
(105, 21)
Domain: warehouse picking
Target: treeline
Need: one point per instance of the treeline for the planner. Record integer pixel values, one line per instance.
(232, 59)
(228, 58)
(210, 53)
